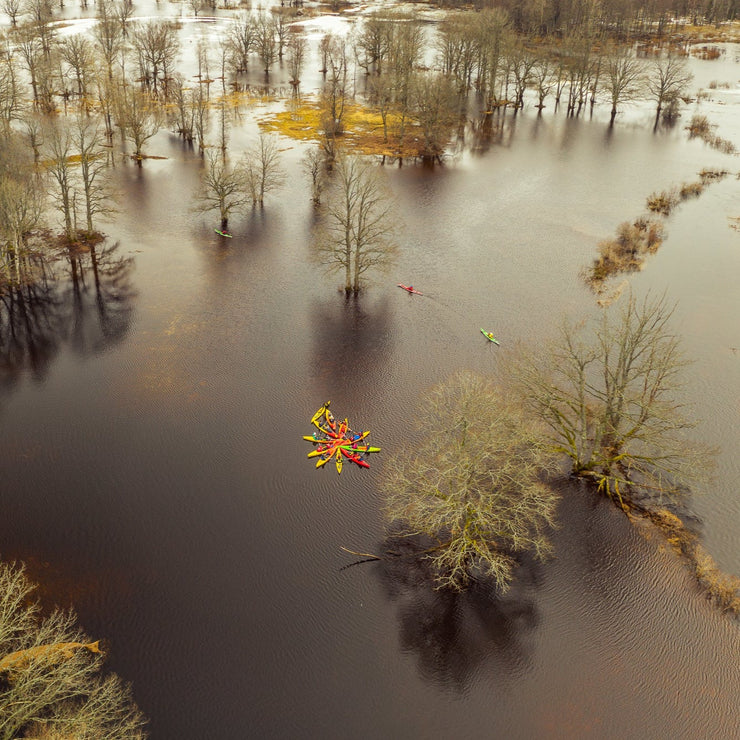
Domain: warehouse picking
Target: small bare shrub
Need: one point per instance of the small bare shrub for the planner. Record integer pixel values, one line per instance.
(723, 145)
(691, 190)
(699, 127)
(627, 251)
(702, 129)
(708, 176)
(664, 202)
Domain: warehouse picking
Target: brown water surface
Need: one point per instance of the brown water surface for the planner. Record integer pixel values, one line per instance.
(154, 473)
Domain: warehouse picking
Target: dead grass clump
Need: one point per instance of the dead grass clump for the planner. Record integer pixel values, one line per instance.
(722, 588)
(690, 190)
(708, 176)
(699, 127)
(707, 52)
(664, 202)
(626, 252)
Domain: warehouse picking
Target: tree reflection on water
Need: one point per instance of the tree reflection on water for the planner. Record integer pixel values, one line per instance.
(84, 299)
(458, 636)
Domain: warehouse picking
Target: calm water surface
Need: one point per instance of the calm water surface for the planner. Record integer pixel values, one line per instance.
(155, 477)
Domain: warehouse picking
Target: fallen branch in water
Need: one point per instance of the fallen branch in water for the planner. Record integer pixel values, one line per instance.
(361, 554)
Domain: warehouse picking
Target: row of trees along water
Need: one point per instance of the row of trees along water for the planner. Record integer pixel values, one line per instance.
(63, 98)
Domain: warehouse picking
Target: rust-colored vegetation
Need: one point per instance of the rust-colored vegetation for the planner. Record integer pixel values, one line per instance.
(701, 128)
(665, 201)
(706, 52)
(363, 131)
(626, 252)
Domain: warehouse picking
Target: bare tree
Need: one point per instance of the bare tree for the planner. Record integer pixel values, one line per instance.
(435, 107)
(373, 41)
(182, 97)
(241, 39)
(108, 34)
(265, 43)
(493, 39)
(406, 49)
(51, 673)
(522, 63)
(124, 11)
(93, 169)
(201, 118)
(157, 45)
(281, 18)
(334, 95)
(359, 222)
(262, 169)
(40, 14)
(543, 77)
(21, 208)
(473, 487)
(11, 89)
(296, 58)
(457, 47)
(314, 165)
(12, 8)
(106, 92)
(381, 97)
(625, 79)
(223, 189)
(77, 52)
(609, 401)
(667, 81)
(31, 51)
(58, 149)
(137, 116)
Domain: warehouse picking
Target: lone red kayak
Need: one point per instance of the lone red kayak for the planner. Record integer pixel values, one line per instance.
(409, 289)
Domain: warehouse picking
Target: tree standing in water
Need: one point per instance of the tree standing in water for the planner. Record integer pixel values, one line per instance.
(667, 82)
(261, 168)
(50, 674)
(624, 79)
(223, 189)
(359, 222)
(609, 402)
(473, 488)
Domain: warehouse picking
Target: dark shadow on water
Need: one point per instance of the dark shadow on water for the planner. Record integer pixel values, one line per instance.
(101, 295)
(352, 343)
(84, 300)
(32, 325)
(458, 637)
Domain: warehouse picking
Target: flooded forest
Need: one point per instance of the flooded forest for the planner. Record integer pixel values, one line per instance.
(369, 369)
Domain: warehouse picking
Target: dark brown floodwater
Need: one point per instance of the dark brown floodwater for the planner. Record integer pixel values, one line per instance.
(154, 475)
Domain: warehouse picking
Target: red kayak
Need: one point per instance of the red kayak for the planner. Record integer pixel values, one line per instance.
(349, 454)
(409, 289)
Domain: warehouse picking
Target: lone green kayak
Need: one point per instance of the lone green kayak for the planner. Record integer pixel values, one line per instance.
(489, 336)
